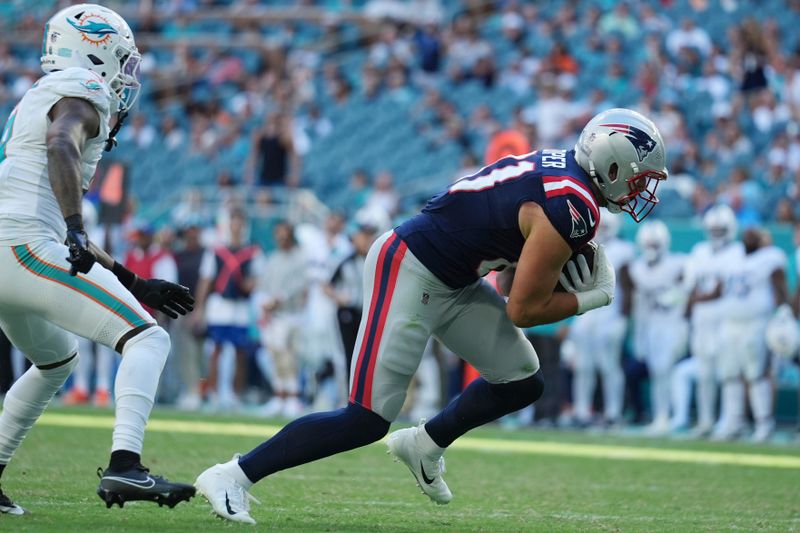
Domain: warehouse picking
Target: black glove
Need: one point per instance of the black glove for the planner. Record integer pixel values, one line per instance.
(80, 258)
(169, 298)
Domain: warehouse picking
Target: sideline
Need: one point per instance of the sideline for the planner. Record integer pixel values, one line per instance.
(563, 449)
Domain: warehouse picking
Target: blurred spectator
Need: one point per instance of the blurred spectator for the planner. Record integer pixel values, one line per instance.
(390, 45)
(358, 190)
(428, 44)
(313, 124)
(138, 132)
(190, 208)
(744, 195)
(548, 113)
(466, 49)
(188, 334)
(226, 281)
(173, 136)
(281, 287)
(506, 142)
(383, 196)
(561, 61)
(750, 55)
(620, 21)
(688, 36)
(346, 289)
(273, 158)
(397, 87)
(147, 259)
(516, 78)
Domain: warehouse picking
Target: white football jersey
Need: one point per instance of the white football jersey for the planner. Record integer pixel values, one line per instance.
(28, 208)
(704, 270)
(658, 294)
(619, 253)
(747, 289)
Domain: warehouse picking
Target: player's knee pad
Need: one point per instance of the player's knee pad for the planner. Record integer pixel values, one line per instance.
(522, 393)
(370, 426)
(154, 340)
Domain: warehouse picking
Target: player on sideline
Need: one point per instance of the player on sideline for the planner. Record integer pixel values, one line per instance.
(423, 279)
(752, 289)
(703, 278)
(599, 336)
(49, 149)
(660, 329)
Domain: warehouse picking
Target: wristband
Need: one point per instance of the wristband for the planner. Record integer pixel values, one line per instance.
(74, 222)
(125, 276)
(591, 299)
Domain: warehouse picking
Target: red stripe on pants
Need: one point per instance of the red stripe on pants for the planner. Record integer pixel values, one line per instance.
(395, 269)
(373, 304)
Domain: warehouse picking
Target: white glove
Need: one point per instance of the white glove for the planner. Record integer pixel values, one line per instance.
(592, 288)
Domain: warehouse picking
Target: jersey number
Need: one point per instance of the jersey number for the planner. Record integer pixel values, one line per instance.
(494, 264)
(7, 134)
(479, 182)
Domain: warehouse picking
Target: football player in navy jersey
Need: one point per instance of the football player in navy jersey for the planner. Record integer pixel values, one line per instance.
(525, 214)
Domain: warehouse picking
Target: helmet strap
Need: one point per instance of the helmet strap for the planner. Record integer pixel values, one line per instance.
(111, 142)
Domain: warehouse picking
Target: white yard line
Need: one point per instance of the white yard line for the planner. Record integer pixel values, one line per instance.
(564, 449)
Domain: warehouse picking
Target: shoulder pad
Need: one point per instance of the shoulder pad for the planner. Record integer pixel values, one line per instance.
(79, 83)
(571, 208)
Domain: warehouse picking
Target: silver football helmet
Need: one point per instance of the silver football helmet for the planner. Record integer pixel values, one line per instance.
(653, 239)
(624, 154)
(720, 225)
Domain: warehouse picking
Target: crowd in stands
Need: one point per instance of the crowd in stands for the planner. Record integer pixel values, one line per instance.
(306, 95)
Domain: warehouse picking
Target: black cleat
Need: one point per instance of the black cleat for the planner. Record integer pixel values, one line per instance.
(137, 484)
(9, 507)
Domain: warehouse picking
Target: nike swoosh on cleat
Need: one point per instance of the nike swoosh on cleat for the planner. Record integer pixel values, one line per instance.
(228, 505)
(148, 483)
(425, 478)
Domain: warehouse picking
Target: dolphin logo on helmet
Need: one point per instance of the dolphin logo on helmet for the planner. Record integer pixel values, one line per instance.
(93, 28)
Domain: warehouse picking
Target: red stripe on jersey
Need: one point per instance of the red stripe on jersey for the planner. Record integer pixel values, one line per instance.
(572, 186)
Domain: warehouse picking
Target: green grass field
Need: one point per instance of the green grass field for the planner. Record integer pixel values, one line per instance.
(540, 481)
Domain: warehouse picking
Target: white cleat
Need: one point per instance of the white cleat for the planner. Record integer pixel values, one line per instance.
(227, 497)
(8, 507)
(405, 447)
(763, 432)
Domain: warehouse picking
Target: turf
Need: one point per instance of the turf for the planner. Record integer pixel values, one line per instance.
(53, 477)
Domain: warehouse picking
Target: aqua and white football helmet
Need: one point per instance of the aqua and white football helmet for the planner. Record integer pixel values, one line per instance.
(624, 154)
(720, 225)
(653, 239)
(98, 39)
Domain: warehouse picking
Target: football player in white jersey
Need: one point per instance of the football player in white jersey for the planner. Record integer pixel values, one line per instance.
(598, 336)
(753, 287)
(660, 329)
(703, 278)
(49, 149)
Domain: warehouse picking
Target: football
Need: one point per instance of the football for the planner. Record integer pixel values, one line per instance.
(587, 250)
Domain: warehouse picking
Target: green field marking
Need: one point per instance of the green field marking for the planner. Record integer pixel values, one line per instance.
(554, 448)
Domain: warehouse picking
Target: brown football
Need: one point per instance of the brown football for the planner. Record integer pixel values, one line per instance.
(587, 250)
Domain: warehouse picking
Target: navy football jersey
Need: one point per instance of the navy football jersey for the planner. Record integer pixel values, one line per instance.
(473, 227)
